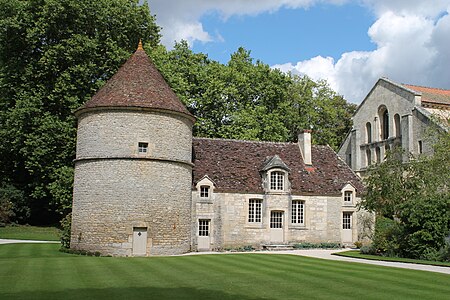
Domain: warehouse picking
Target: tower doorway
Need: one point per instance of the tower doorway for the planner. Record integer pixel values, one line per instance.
(139, 241)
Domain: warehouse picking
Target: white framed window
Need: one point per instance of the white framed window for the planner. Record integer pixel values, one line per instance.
(203, 227)
(277, 181)
(298, 212)
(348, 197)
(254, 210)
(276, 219)
(346, 220)
(142, 148)
(204, 191)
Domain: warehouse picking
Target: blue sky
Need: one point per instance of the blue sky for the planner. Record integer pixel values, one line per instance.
(288, 35)
(349, 43)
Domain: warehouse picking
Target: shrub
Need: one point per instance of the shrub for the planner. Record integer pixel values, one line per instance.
(445, 253)
(66, 224)
(13, 207)
(426, 226)
(370, 250)
(247, 248)
(358, 244)
(388, 237)
(307, 245)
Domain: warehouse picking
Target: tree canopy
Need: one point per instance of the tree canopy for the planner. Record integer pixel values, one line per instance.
(246, 99)
(54, 56)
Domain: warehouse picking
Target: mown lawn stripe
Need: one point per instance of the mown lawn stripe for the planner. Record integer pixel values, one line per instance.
(41, 272)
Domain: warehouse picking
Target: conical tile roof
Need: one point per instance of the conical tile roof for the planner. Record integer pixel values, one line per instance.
(137, 84)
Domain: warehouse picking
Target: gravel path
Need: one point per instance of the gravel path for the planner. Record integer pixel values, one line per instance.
(10, 241)
(327, 254)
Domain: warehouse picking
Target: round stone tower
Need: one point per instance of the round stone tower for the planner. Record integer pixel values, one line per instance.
(133, 170)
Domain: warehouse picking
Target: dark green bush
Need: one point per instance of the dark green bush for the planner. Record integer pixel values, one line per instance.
(13, 206)
(388, 237)
(66, 224)
(370, 250)
(307, 245)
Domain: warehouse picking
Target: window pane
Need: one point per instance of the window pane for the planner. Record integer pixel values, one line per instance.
(254, 210)
(346, 220)
(204, 191)
(142, 147)
(297, 212)
(348, 196)
(276, 219)
(276, 180)
(203, 227)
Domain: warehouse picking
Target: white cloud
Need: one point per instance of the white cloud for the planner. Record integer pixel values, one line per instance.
(180, 18)
(412, 39)
(410, 49)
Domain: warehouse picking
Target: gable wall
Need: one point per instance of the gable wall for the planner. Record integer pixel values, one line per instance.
(413, 126)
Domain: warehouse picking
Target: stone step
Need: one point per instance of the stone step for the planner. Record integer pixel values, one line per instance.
(274, 247)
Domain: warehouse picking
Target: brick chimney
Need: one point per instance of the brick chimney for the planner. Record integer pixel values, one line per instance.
(304, 142)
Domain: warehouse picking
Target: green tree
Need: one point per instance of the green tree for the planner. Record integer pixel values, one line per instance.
(412, 202)
(54, 55)
(245, 99)
(314, 105)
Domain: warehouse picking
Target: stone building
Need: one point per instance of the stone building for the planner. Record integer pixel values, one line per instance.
(143, 186)
(392, 115)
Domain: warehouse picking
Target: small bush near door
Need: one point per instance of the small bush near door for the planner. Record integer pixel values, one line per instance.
(317, 246)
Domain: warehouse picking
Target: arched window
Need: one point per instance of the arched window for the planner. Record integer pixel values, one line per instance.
(398, 129)
(383, 115)
(368, 132)
(368, 157)
(378, 154)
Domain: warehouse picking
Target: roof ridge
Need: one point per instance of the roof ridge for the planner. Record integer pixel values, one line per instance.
(243, 141)
(427, 87)
(255, 142)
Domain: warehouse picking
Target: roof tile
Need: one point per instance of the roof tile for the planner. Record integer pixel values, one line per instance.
(431, 95)
(235, 166)
(137, 83)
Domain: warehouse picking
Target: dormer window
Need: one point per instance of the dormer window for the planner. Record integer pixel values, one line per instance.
(142, 148)
(348, 197)
(277, 181)
(274, 175)
(204, 191)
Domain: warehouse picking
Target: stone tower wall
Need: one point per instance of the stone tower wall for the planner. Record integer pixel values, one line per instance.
(116, 133)
(116, 188)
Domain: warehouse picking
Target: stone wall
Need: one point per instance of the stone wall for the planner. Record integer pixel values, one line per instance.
(116, 133)
(397, 101)
(230, 227)
(117, 189)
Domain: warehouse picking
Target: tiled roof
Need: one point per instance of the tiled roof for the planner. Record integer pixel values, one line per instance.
(431, 95)
(235, 166)
(137, 84)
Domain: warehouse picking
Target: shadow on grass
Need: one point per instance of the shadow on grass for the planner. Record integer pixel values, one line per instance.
(129, 293)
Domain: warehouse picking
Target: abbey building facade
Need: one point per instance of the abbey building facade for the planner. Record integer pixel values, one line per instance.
(391, 115)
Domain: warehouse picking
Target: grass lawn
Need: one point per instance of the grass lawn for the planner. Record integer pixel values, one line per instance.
(357, 254)
(30, 233)
(39, 271)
